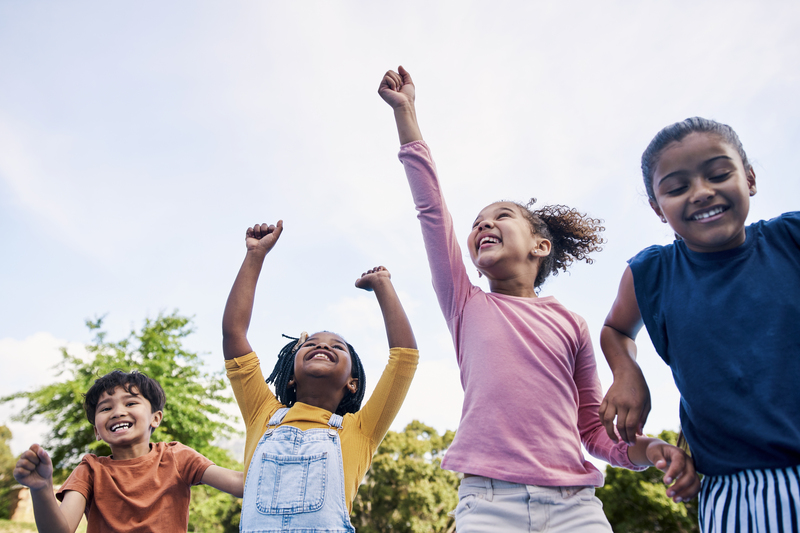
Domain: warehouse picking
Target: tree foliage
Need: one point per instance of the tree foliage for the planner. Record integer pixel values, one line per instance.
(406, 489)
(7, 462)
(636, 502)
(192, 414)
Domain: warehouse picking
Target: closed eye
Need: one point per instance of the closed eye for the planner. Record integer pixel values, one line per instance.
(720, 177)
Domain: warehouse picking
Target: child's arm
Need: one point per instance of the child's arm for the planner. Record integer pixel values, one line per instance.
(224, 479)
(236, 319)
(398, 328)
(628, 398)
(682, 481)
(35, 470)
(398, 91)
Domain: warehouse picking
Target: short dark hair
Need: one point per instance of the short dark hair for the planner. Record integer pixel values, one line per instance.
(676, 133)
(146, 386)
(284, 371)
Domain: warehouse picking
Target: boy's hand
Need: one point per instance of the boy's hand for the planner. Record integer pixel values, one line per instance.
(34, 468)
(627, 400)
(397, 89)
(680, 477)
(371, 277)
(262, 237)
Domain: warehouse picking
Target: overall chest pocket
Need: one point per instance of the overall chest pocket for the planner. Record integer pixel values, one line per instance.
(290, 484)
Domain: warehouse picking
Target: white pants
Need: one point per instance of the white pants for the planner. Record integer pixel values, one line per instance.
(488, 505)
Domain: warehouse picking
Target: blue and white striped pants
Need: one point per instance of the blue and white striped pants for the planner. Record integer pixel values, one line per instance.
(751, 501)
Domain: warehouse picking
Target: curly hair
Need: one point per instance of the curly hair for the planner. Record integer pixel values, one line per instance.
(284, 371)
(573, 236)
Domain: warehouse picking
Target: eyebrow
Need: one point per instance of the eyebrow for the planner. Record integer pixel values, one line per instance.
(126, 396)
(338, 341)
(503, 208)
(704, 164)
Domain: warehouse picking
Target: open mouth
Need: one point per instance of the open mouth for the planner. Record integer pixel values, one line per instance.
(120, 426)
(709, 213)
(488, 240)
(323, 355)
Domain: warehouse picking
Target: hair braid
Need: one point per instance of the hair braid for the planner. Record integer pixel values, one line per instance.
(284, 371)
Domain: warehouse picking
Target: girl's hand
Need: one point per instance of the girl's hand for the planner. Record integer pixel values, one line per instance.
(262, 237)
(680, 477)
(627, 401)
(371, 277)
(397, 89)
(34, 468)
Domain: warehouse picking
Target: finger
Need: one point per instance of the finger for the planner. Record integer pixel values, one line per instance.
(278, 229)
(389, 81)
(249, 234)
(44, 457)
(607, 414)
(630, 423)
(406, 76)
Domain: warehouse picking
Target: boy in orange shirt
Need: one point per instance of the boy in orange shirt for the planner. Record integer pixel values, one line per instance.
(141, 487)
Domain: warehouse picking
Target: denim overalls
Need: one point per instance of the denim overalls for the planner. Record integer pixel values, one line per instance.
(295, 482)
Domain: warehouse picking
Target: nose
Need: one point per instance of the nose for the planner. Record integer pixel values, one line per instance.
(701, 191)
(485, 224)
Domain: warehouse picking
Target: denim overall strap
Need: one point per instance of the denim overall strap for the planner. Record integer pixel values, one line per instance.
(278, 417)
(295, 482)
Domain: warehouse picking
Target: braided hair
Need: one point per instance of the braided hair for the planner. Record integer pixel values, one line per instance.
(572, 234)
(284, 371)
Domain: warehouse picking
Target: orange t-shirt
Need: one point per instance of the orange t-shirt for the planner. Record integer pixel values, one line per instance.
(148, 494)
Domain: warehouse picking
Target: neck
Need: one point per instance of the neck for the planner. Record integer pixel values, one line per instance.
(520, 287)
(123, 453)
(320, 398)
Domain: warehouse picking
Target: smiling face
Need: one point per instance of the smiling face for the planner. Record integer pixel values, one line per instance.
(502, 241)
(324, 355)
(703, 191)
(124, 419)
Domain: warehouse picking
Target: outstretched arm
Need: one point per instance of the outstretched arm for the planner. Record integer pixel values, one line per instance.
(224, 479)
(628, 398)
(680, 477)
(34, 469)
(236, 319)
(397, 89)
(398, 328)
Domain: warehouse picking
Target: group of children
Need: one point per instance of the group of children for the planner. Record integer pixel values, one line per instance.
(720, 305)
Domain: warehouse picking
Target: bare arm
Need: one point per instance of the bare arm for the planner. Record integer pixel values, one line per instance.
(224, 479)
(397, 89)
(34, 469)
(236, 319)
(398, 328)
(628, 398)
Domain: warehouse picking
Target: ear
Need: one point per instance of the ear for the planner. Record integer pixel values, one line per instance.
(96, 434)
(291, 383)
(156, 420)
(657, 209)
(542, 248)
(352, 385)
(751, 181)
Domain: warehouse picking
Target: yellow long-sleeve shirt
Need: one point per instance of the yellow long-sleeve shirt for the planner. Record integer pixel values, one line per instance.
(361, 432)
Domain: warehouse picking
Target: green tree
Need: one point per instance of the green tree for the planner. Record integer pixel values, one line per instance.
(636, 502)
(7, 462)
(406, 489)
(193, 413)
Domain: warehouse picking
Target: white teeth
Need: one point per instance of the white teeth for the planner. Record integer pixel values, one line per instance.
(115, 427)
(715, 211)
(321, 356)
(490, 239)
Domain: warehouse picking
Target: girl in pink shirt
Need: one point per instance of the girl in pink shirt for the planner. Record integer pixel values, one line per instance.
(531, 391)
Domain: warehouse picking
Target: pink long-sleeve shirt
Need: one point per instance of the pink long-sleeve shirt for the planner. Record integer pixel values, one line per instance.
(531, 391)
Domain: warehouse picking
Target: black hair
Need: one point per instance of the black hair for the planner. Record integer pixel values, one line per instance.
(573, 236)
(677, 132)
(284, 371)
(146, 386)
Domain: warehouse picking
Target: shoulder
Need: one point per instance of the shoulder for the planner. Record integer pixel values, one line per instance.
(652, 253)
(787, 225)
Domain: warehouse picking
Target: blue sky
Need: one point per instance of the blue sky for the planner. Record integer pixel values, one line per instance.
(138, 141)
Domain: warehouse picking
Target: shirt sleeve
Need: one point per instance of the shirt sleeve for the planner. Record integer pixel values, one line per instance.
(81, 481)
(450, 280)
(191, 464)
(593, 433)
(378, 413)
(251, 391)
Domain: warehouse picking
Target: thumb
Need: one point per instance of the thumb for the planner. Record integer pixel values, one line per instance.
(43, 456)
